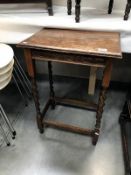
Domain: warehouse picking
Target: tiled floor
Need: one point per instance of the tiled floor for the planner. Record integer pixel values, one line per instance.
(58, 152)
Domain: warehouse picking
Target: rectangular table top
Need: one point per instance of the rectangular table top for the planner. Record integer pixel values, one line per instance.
(96, 43)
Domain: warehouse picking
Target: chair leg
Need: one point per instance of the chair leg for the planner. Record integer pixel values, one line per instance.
(4, 135)
(49, 7)
(127, 10)
(69, 7)
(77, 10)
(111, 2)
(5, 118)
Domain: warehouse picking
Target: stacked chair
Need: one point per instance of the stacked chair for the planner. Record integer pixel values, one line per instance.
(110, 7)
(6, 70)
(10, 69)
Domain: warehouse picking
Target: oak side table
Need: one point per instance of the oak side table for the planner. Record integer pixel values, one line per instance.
(86, 48)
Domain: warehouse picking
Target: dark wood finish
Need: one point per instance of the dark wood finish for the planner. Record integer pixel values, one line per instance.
(125, 117)
(102, 97)
(69, 58)
(97, 49)
(31, 70)
(76, 103)
(110, 7)
(69, 6)
(77, 10)
(48, 2)
(127, 9)
(45, 109)
(67, 127)
(87, 43)
(111, 2)
(52, 94)
(37, 105)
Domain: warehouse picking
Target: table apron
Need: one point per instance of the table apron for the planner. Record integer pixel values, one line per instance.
(85, 60)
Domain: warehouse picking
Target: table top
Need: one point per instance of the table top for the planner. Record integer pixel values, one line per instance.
(99, 43)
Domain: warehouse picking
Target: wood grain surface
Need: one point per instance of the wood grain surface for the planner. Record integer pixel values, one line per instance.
(76, 41)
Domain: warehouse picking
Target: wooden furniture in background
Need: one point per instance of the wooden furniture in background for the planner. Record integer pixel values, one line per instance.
(48, 2)
(127, 9)
(85, 48)
(125, 123)
(78, 6)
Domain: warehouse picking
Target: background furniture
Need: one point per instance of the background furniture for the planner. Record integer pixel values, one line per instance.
(6, 69)
(125, 123)
(71, 47)
(77, 8)
(127, 9)
(48, 2)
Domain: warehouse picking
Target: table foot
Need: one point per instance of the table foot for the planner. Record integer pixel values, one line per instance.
(40, 124)
(52, 93)
(37, 105)
(41, 131)
(95, 138)
(53, 104)
(50, 11)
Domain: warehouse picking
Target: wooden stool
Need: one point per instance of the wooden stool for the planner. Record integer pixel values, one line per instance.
(77, 9)
(86, 48)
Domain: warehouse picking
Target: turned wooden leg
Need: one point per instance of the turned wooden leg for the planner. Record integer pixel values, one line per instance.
(52, 94)
(101, 101)
(111, 2)
(49, 7)
(31, 71)
(69, 6)
(37, 105)
(127, 10)
(77, 10)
